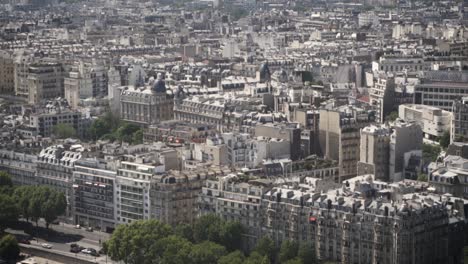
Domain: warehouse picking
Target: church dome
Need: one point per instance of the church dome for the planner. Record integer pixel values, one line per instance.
(159, 85)
(264, 71)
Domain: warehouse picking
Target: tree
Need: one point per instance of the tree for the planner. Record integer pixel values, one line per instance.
(9, 249)
(266, 247)
(392, 116)
(430, 152)
(207, 227)
(54, 206)
(64, 131)
(256, 258)
(6, 184)
(137, 137)
(126, 131)
(444, 141)
(132, 243)
(5, 179)
(294, 261)
(235, 257)
(184, 231)
(288, 250)
(422, 177)
(306, 253)
(23, 198)
(172, 250)
(231, 235)
(9, 212)
(206, 252)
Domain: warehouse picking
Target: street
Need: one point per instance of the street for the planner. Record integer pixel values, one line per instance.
(60, 237)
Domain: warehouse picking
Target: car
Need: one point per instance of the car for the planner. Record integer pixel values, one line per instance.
(86, 251)
(24, 241)
(75, 250)
(56, 222)
(89, 229)
(78, 227)
(45, 245)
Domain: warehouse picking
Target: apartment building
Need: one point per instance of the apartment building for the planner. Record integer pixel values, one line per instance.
(339, 136)
(375, 152)
(133, 191)
(174, 196)
(459, 122)
(382, 95)
(7, 72)
(93, 202)
(20, 166)
(45, 81)
(55, 166)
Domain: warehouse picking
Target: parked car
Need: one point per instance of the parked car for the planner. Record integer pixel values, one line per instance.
(24, 241)
(45, 245)
(77, 226)
(89, 229)
(90, 251)
(75, 250)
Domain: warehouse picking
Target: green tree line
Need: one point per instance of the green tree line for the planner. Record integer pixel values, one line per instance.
(110, 127)
(209, 240)
(30, 202)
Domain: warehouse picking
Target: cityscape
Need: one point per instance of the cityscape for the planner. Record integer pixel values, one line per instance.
(234, 131)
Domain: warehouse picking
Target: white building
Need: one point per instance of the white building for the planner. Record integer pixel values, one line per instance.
(433, 121)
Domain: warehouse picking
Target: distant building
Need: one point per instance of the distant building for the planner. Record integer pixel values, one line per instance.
(146, 105)
(459, 128)
(45, 81)
(433, 121)
(375, 152)
(340, 138)
(7, 73)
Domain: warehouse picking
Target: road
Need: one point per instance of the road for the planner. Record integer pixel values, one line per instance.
(60, 237)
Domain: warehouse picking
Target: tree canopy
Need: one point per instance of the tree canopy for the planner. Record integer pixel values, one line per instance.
(9, 249)
(444, 141)
(64, 131)
(110, 127)
(9, 211)
(40, 202)
(135, 242)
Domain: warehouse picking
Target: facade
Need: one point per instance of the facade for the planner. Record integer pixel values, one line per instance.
(339, 136)
(7, 73)
(450, 176)
(133, 191)
(85, 80)
(235, 200)
(288, 132)
(20, 166)
(405, 143)
(374, 152)
(44, 122)
(459, 128)
(199, 110)
(55, 169)
(366, 228)
(45, 81)
(433, 121)
(93, 202)
(382, 96)
(441, 88)
(174, 197)
(146, 106)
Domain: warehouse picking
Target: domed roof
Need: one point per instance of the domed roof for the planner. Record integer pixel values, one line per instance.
(159, 85)
(264, 71)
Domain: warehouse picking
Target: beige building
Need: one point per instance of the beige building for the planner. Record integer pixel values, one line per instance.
(375, 152)
(146, 105)
(45, 81)
(7, 73)
(433, 121)
(339, 136)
